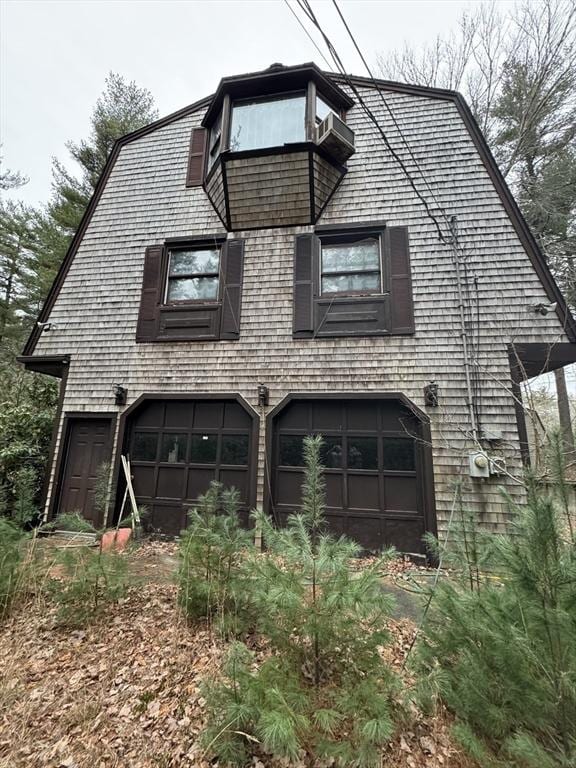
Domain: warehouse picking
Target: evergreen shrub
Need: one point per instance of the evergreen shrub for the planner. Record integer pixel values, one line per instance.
(500, 650)
(323, 689)
(89, 581)
(212, 574)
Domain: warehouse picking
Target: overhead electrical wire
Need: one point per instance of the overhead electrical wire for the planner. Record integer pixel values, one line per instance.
(307, 9)
(314, 43)
(388, 108)
(451, 240)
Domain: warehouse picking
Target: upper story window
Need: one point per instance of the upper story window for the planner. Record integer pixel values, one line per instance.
(353, 266)
(215, 141)
(322, 110)
(270, 122)
(193, 275)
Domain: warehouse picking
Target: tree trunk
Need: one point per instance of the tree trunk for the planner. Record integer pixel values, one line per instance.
(564, 413)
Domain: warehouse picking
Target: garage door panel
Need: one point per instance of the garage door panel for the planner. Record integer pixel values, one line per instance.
(336, 524)
(171, 482)
(362, 417)
(367, 531)
(170, 520)
(364, 492)
(199, 481)
(401, 493)
(297, 417)
(144, 481)
(405, 534)
(236, 479)
(178, 414)
(333, 484)
(327, 415)
(150, 415)
(208, 414)
(236, 417)
(289, 487)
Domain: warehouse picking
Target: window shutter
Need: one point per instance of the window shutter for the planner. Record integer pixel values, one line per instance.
(147, 328)
(196, 157)
(231, 276)
(401, 305)
(304, 265)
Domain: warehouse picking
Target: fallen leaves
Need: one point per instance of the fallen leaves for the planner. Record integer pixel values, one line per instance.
(126, 691)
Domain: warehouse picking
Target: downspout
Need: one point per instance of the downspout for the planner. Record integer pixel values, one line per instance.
(463, 335)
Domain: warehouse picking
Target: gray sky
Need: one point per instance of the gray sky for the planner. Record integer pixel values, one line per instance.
(55, 55)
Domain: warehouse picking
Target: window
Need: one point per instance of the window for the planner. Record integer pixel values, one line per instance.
(351, 268)
(268, 123)
(322, 110)
(184, 284)
(193, 275)
(215, 141)
(353, 280)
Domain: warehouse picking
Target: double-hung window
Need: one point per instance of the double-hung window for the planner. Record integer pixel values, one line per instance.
(352, 266)
(193, 275)
(352, 280)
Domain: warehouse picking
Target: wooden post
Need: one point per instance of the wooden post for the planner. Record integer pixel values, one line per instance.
(564, 413)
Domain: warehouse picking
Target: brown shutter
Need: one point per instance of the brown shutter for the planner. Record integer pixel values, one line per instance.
(305, 262)
(401, 305)
(147, 329)
(196, 161)
(231, 276)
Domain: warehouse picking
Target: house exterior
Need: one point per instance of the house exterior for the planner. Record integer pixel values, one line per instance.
(301, 253)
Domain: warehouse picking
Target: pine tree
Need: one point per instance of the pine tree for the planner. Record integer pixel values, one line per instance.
(123, 107)
(502, 655)
(325, 688)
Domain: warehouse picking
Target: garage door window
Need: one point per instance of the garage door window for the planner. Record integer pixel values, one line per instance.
(203, 449)
(144, 446)
(398, 454)
(173, 448)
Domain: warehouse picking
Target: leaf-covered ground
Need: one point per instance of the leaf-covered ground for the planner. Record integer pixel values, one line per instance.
(126, 691)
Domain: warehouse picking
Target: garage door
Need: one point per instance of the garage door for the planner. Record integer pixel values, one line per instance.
(177, 447)
(374, 468)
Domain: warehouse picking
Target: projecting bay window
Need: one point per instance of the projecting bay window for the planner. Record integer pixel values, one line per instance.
(193, 275)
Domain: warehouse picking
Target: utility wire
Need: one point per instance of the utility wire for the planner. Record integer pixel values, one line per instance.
(388, 108)
(293, 12)
(306, 7)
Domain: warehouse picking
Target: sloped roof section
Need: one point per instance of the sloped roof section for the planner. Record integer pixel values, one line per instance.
(519, 223)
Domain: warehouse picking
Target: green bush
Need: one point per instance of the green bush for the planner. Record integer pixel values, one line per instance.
(211, 576)
(70, 521)
(12, 562)
(501, 651)
(89, 581)
(325, 688)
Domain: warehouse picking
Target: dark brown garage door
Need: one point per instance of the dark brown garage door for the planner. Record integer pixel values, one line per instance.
(87, 448)
(374, 469)
(177, 447)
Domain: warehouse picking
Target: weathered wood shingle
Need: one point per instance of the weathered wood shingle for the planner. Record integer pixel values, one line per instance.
(146, 200)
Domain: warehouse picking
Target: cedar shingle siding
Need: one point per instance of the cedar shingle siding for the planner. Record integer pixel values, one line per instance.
(146, 200)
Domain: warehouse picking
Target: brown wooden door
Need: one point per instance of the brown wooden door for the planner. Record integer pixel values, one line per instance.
(88, 446)
(373, 469)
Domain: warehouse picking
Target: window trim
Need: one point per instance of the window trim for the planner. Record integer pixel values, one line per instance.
(167, 277)
(350, 239)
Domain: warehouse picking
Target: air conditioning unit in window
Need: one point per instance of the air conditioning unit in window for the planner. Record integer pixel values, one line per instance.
(335, 137)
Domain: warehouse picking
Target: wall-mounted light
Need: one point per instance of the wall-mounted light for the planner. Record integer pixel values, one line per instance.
(120, 394)
(263, 395)
(431, 395)
(44, 326)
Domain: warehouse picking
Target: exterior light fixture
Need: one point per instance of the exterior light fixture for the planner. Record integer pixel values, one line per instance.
(431, 395)
(263, 395)
(120, 394)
